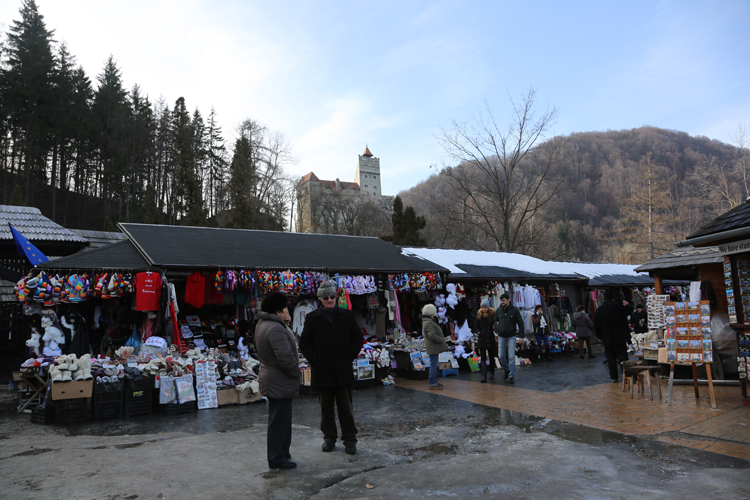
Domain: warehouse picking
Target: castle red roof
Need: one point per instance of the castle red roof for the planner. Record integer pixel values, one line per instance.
(367, 152)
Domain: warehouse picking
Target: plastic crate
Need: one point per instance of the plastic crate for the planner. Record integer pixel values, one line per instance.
(107, 410)
(137, 398)
(70, 411)
(104, 398)
(178, 409)
(450, 371)
(107, 387)
(40, 415)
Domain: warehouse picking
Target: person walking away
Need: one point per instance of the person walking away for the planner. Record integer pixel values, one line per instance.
(611, 326)
(507, 318)
(541, 332)
(639, 319)
(434, 343)
(486, 341)
(584, 327)
(278, 378)
(331, 341)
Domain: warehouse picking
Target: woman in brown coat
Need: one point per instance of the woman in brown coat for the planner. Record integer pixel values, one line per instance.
(279, 377)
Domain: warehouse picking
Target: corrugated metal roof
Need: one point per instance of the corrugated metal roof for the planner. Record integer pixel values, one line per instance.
(30, 222)
(507, 273)
(98, 239)
(685, 256)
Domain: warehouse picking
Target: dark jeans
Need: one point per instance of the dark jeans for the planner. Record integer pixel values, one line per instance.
(492, 354)
(434, 365)
(337, 397)
(587, 341)
(279, 430)
(616, 354)
(542, 340)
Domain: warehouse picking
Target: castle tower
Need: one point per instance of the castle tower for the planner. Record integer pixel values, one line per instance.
(368, 174)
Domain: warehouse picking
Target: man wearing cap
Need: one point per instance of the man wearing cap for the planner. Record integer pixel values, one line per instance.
(331, 341)
(434, 343)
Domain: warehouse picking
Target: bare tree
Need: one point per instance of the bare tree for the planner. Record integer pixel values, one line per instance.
(504, 178)
(742, 166)
(343, 212)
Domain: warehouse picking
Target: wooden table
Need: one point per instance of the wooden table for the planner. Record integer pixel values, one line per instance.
(695, 381)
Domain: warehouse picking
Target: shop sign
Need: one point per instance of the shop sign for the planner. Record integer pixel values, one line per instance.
(735, 247)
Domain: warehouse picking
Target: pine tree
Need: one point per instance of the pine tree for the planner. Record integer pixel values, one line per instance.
(188, 196)
(240, 184)
(17, 198)
(406, 225)
(27, 86)
(217, 166)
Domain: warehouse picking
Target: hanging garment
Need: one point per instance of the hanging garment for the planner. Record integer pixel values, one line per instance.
(301, 310)
(195, 290)
(695, 291)
(147, 291)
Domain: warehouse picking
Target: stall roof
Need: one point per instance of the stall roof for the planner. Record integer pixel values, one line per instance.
(471, 263)
(680, 257)
(98, 239)
(50, 237)
(185, 247)
(736, 218)
(506, 273)
(120, 256)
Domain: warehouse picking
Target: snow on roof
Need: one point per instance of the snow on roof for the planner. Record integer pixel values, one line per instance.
(451, 258)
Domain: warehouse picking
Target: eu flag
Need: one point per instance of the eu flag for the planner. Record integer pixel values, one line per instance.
(24, 247)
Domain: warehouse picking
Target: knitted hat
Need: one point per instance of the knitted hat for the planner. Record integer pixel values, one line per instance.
(274, 303)
(485, 303)
(327, 288)
(429, 310)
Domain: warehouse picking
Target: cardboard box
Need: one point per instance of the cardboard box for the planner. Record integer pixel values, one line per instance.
(227, 397)
(306, 377)
(247, 396)
(17, 376)
(445, 366)
(72, 390)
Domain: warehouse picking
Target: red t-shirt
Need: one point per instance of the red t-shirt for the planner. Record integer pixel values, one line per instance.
(195, 290)
(147, 291)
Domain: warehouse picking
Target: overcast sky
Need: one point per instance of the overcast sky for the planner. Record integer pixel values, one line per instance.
(332, 76)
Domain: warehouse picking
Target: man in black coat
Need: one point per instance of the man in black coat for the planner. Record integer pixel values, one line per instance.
(331, 341)
(611, 326)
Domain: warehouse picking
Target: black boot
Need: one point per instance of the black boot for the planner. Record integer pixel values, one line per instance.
(484, 373)
(492, 375)
(549, 358)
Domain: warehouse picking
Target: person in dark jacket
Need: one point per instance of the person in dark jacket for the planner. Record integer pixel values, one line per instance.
(639, 320)
(279, 377)
(611, 326)
(486, 341)
(584, 328)
(507, 318)
(434, 344)
(331, 341)
(541, 332)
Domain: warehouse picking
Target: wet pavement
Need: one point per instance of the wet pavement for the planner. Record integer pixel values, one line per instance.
(562, 431)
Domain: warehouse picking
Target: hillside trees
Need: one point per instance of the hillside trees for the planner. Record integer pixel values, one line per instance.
(504, 176)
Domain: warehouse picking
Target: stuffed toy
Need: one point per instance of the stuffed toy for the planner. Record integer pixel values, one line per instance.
(452, 299)
(33, 342)
(51, 332)
(440, 300)
(242, 348)
(441, 314)
(52, 350)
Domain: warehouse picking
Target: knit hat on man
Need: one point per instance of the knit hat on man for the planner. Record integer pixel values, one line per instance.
(429, 310)
(485, 303)
(327, 288)
(274, 303)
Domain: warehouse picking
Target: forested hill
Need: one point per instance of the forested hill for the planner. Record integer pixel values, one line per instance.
(600, 211)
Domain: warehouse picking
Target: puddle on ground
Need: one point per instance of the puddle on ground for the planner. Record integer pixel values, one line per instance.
(128, 445)
(432, 450)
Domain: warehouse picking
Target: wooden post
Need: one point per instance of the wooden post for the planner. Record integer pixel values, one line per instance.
(657, 285)
(710, 385)
(695, 379)
(671, 382)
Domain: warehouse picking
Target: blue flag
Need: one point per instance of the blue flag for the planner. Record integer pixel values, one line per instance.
(24, 247)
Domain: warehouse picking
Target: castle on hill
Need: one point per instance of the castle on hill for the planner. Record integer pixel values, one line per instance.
(311, 189)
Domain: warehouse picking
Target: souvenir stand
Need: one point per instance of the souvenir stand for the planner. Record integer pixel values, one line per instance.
(159, 327)
(701, 269)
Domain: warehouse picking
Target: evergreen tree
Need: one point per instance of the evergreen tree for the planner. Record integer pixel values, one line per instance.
(188, 196)
(27, 86)
(406, 225)
(240, 184)
(151, 212)
(217, 166)
(17, 198)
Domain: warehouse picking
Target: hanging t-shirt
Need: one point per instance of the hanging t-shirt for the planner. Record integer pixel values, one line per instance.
(147, 291)
(301, 310)
(195, 290)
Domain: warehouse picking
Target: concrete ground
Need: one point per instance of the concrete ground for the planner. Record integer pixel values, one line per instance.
(470, 440)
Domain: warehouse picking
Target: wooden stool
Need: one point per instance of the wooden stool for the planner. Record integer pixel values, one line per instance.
(646, 373)
(627, 381)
